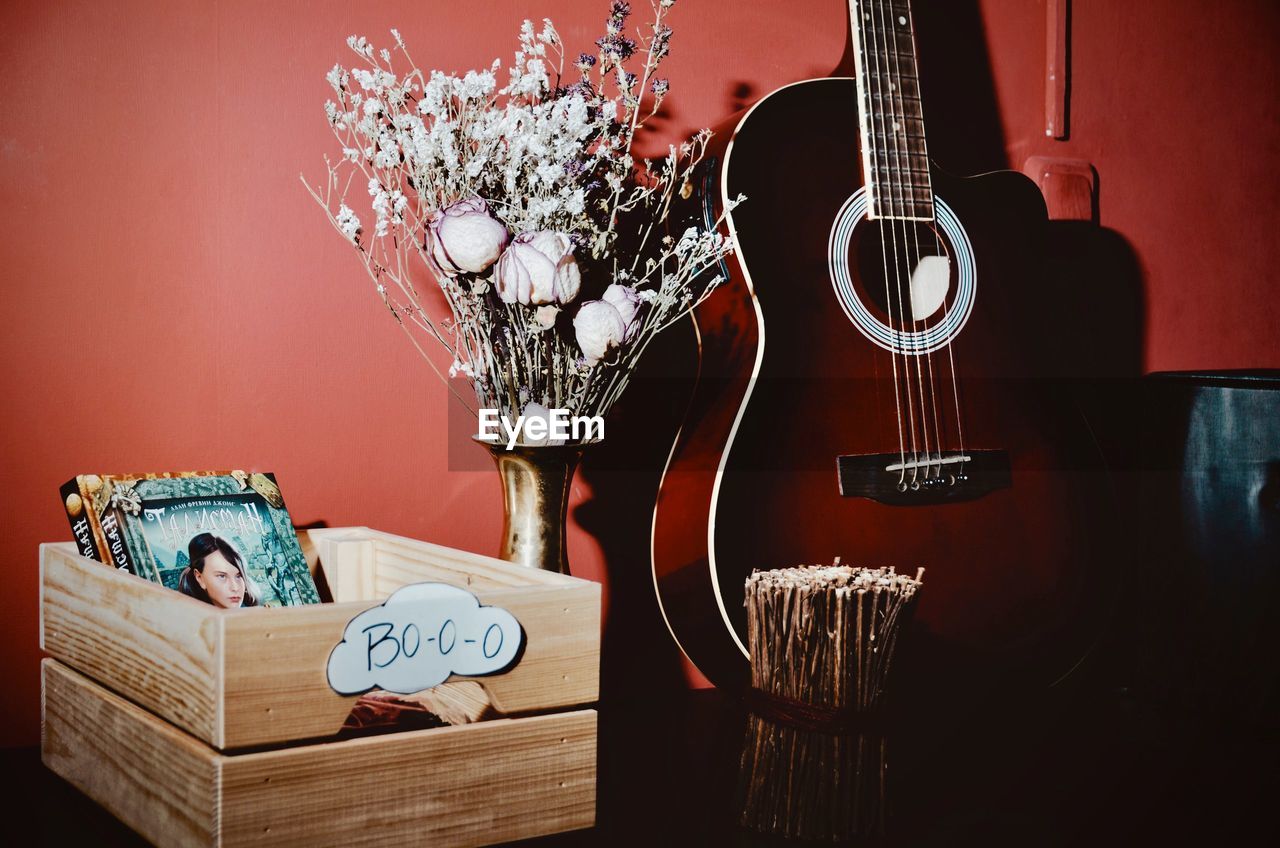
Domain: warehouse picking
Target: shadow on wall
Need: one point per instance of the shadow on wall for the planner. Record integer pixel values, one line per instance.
(639, 656)
(962, 117)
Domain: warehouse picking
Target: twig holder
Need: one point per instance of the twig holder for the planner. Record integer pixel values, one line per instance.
(821, 640)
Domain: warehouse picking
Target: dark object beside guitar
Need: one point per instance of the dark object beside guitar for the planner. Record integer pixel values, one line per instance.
(871, 387)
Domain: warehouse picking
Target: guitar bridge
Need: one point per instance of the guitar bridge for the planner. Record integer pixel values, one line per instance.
(923, 479)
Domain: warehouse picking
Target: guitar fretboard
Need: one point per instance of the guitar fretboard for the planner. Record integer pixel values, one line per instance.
(895, 160)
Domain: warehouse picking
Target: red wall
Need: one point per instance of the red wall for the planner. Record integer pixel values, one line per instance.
(174, 300)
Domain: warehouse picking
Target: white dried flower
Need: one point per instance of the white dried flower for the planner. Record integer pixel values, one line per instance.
(464, 237)
(627, 301)
(599, 329)
(546, 316)
(348, 222)
(538, 268)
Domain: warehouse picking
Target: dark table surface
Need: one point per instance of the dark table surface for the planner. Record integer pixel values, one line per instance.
(1058, 768)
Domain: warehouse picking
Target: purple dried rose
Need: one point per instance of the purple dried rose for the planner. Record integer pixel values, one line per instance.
(464, 237)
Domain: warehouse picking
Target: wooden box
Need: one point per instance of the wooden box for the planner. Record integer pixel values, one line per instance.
(206, 727)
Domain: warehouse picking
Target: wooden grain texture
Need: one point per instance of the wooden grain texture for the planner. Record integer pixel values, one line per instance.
(460, 702)
(153, 777)
(156, 646)
(561, 662)
(494, 781)
(401, 561)
(275, 680)
(349, 569)
(451, 787)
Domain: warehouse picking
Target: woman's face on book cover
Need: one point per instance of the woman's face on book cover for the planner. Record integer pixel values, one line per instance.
(222, 580)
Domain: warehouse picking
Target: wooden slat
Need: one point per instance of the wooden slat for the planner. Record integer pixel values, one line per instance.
(493, 781)
(276, 684)
(349, 570)
(497, 570)
(158, 647)
(395, 571)
(156, 779)
(451, 787)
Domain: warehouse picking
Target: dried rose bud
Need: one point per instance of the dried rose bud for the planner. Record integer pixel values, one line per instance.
(546, 316)
(538, 268)
(627, 301)
(465, 237)
(599, 329)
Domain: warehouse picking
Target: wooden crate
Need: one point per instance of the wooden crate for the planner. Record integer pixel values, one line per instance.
(223, 682)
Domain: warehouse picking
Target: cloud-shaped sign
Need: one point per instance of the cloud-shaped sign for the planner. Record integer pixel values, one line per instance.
(417, 638)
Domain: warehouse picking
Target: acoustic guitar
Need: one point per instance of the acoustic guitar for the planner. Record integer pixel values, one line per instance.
(871, 385)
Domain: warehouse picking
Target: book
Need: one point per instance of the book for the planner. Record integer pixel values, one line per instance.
(87, 500)
(77, 507)
(169, 528)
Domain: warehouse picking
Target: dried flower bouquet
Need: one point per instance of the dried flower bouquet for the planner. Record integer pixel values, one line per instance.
(525, 206)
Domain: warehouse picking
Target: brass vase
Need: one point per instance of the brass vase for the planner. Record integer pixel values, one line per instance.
(535, 500)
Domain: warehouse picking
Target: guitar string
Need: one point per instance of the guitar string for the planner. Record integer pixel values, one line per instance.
(856, 27)
(884, 78)
(927, 410)
(868, 53)
(942, 251)
(914, 263)
(877, 78)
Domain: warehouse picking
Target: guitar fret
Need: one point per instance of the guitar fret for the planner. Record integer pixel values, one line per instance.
(901, 188)
(900, 176)
(899, 168)
(903, 214)
(879, 38)
(897, 134)
(890, 157)
(888, 86)
(906, 171)
(917, 211)
(881, 81)
(897, 192)
(895, 95)
(887, 166)
(897, 183)
(896, 155)
(893, 74)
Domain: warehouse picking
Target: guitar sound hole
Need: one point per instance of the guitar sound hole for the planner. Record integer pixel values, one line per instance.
(901, 271)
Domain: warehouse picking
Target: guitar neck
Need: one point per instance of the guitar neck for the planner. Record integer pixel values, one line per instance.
(895, 158)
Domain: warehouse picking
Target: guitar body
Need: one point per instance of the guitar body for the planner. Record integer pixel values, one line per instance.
(789, 383)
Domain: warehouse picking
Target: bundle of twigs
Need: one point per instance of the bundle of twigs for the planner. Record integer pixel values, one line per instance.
(821, 640)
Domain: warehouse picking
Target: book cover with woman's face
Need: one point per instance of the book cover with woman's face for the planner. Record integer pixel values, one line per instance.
(243, 520)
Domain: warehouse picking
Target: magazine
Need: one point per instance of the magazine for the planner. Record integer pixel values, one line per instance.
(223, 537)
